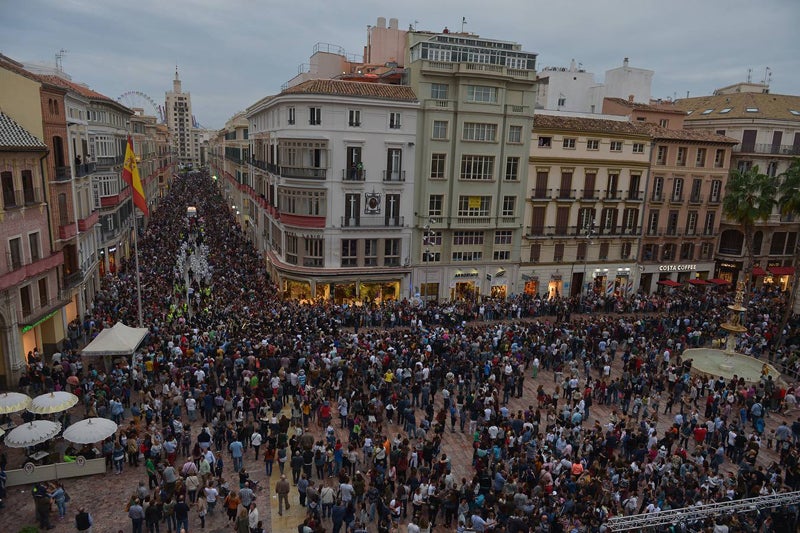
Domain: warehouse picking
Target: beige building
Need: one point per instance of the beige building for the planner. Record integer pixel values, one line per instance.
(180, 122)
(583, 209)
(767, 128)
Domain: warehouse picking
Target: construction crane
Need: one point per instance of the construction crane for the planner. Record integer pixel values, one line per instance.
(687, 515)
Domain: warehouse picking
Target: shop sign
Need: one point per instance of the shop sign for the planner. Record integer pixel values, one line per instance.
(677, 268)
(465, 275)
(732, 266)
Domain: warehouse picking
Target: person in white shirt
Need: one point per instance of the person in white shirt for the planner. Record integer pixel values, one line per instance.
(191, 408)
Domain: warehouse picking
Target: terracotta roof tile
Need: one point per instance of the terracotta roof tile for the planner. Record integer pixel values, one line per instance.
(354, 88)
(636, 106)
(76, 87)
(736, 105)
(15, 137)
(591, 125)
(688, 135)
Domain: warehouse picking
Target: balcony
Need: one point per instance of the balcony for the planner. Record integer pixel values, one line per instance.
(86, 224)
(19, 272)
(34, 315)
(695, 199)
(258, 164)
(394, 175)
(590, 194)
(635, 196)
(372, 222)
(354, 174)
(657, 198)
(612, 196)
(311, 173)
(67, 230)
(63, 174)
(774, 149)
(84, 169)
(73, 280)
(442, 105)
(676, 199)
(541, 194)
(715, 199)
(105, 162)
(473, 221)
(566, 194)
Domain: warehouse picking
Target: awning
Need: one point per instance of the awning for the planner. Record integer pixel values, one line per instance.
(719, 281)
(758, 271)
(698, 281)
(669, 283)
(782, 271)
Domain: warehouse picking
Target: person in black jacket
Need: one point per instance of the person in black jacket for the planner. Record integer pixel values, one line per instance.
(152, 516)
(83, 521)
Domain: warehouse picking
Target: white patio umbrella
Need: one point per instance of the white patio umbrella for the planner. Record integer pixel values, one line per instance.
(11, 402)
(32, 433)
(90, 430)
(53, 402)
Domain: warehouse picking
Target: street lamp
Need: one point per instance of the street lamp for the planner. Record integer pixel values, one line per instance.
(426, 240)
(588, 230)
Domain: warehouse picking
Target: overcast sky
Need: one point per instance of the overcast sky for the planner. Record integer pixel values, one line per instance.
(230, 53)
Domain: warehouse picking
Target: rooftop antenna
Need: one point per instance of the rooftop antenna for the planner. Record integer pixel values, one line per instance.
(749, 75)
(60, 60)
(415, 25)
(767, 76)
(463, 22)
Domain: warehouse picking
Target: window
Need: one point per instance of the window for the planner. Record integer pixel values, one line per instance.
(568, 143)
(664, 123)
(394, 121)
(512, 169)
(586, 220)
(652, 222)
(658, 188)
(545, 142)
(501, 255)
(707, 112)
(9, 196)
(668, 253)
(349, 252)
(291, 249)
(708, 227)
(439, 91)
(435, 205)
(691, 223)
(474, 206)
(719, 158)
(15, 250)
(314, 252)
(558, 252)
(580, 253)
(503, 236)
(638, 148)
(536, 252)
(509, 206)
(467, 255)
(625, 250)
(370, 252)
(477, 167)
(515, 134)
(705, 250)
(25, 300)
(467, 238)
(394, 164)
(437, 166)
(604, 246)
(677, 190)
(33, 243)
(593, 144)
(716, 188)
(477, 131)
(432, 238)
(562, 101)
(700, 160)
(291, 116)
(439, 129)
(697, 186)
(630, 217)
(649, 252)
(354, 118)
(314, 116)
(661, 155)
(44, 298)
(616, 146)
(482, 94)
(28, 192)
(681, 160)
(391, 252)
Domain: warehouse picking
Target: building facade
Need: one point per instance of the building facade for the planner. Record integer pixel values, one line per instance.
(583, 210)
(29, 268)
(473, 138)
(329, 187)
(767, 129)
(683, 208)
(180, 122)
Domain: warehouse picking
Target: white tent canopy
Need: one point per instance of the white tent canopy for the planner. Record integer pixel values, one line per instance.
(119, 340)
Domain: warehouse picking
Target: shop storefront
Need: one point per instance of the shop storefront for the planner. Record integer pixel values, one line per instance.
(342, 292)
(680, 273)
(530, 285)
(779, 275)
(555, 287)
(728, 270)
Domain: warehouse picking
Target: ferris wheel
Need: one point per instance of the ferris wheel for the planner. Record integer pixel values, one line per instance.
(140, 100)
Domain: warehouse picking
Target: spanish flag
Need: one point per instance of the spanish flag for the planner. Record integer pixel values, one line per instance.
(130, 173)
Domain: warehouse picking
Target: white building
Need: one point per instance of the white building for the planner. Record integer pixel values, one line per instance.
(574, 89)
(180, 124)
(333, 176)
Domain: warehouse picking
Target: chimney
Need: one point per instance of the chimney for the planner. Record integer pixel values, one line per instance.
(392, 24)
(382, 22)
(630, 98)
(625, 62)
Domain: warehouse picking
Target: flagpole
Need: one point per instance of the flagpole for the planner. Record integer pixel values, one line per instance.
(138, 278)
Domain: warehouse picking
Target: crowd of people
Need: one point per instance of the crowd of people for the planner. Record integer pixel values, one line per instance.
(355, 403)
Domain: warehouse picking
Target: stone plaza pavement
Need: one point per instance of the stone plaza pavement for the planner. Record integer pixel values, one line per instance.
(105, 496)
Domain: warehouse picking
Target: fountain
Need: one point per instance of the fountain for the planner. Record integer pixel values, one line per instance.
(713, 362)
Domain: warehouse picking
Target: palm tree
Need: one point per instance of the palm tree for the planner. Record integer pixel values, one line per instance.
(749, 198)
(789, 203)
